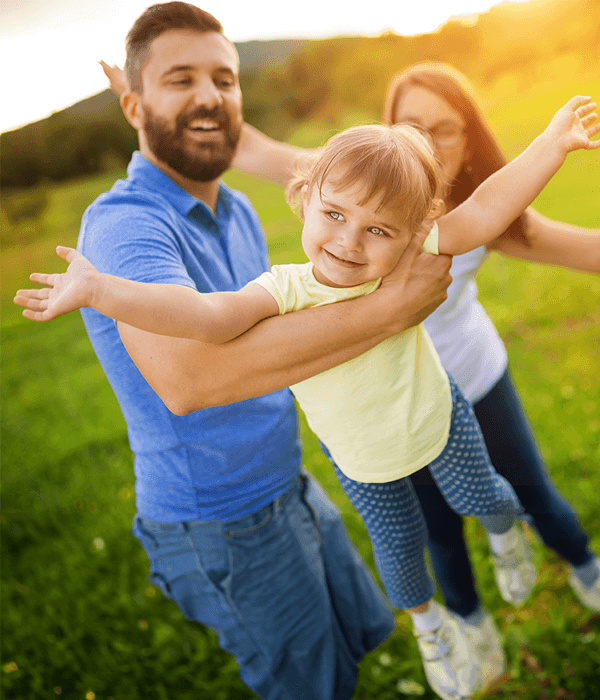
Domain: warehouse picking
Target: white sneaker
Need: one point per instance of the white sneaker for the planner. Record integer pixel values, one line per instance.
(590, 597)
(452, 672)
(515, 571)
(487, 643)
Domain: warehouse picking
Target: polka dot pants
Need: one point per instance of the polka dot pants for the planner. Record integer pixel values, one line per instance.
(392, 513)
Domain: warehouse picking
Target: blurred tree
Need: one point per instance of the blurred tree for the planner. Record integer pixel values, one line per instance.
(286, 82)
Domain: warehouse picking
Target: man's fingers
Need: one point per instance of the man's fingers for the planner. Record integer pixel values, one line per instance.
(414, 247)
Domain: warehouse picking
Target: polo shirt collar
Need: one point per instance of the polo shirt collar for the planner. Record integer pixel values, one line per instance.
(141, 169)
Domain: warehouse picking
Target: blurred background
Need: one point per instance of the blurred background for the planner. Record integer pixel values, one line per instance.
(79, 617)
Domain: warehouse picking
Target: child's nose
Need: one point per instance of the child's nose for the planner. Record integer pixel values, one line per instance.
(350, 239)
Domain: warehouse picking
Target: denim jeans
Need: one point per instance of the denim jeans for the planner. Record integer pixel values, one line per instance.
(516, 456)
(392, 514)
(284, 589)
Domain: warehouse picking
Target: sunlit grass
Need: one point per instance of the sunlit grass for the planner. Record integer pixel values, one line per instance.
(80, 619)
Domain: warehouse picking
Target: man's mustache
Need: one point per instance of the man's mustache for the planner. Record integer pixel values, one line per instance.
(218, 114)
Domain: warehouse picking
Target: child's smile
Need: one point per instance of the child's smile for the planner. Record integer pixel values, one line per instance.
(350, 243)
(342, 261)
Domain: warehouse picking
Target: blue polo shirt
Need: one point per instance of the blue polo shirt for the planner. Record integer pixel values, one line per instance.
(220, 463)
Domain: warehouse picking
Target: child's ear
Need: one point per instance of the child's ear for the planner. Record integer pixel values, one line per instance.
(303, 198)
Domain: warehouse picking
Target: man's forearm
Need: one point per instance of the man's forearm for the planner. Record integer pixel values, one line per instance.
(276, 353)
(283, 350)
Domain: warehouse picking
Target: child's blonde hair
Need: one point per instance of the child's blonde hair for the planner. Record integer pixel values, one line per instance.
(396, 164)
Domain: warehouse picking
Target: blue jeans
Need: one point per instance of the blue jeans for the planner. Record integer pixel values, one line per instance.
(515, 455)
(392, 515)
(284, 589)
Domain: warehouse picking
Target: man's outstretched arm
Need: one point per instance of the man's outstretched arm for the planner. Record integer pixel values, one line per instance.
(284, 350)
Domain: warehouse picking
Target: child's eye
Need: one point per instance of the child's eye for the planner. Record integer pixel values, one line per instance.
(335, 215)
(377, 231)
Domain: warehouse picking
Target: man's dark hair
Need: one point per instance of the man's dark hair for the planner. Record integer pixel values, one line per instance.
(152, 23)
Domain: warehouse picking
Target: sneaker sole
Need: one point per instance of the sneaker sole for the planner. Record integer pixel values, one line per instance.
(493, 685)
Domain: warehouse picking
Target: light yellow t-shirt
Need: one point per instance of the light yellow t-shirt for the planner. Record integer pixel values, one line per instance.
(384, 414)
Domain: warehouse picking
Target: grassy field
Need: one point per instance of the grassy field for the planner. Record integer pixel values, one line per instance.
(79, 617)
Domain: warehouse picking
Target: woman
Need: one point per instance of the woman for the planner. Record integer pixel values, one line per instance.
(440, 100)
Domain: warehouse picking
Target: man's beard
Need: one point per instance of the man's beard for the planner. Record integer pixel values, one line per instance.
(201, 162)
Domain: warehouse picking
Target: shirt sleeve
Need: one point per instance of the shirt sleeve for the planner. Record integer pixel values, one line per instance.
(270, 282)
(133, 238)
(431, 244)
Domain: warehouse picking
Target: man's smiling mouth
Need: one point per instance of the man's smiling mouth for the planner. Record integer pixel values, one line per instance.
(204, 125)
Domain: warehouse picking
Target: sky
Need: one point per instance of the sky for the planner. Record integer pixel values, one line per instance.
(49, 48)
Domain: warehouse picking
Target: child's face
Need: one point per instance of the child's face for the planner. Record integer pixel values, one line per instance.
(349, 243)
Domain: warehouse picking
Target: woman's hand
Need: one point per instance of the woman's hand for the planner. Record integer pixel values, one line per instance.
(572, 127)
(65, 292)
(116, 78)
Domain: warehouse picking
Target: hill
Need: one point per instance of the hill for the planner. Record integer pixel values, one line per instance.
(288, 81)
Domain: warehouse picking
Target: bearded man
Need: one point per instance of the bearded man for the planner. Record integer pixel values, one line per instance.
(237, 534)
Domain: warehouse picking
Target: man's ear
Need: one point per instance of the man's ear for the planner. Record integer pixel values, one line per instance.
(132, 109)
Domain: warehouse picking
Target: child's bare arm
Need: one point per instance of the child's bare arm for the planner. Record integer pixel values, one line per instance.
(163, 309)
(498, 201)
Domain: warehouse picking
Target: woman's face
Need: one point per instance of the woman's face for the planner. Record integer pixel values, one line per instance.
(446, 126)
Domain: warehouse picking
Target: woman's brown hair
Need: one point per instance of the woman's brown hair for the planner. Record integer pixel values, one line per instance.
(484, 153)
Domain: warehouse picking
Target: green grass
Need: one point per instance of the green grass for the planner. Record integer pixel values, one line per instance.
(80, 619)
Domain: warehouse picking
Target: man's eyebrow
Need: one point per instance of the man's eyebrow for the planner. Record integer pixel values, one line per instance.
(176, 69)
(184, 67)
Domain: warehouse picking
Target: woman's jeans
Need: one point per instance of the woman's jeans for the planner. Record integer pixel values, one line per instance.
(516, 456)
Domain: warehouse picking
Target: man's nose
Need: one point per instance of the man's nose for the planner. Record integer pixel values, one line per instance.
(206, 94)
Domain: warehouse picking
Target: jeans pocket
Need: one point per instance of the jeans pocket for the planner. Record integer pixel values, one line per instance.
(158, 549)
(251, 525)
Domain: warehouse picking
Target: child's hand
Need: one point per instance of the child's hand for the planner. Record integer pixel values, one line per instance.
(116, 78)
(65, 292)
(573, 125)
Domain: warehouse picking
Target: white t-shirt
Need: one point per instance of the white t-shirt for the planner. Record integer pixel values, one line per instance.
(463, 334)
